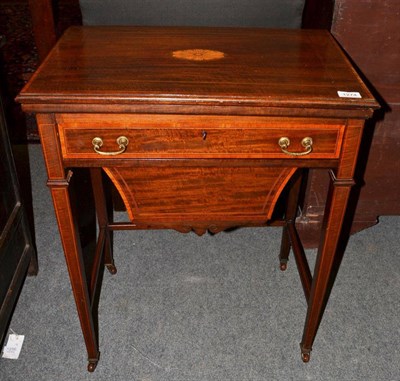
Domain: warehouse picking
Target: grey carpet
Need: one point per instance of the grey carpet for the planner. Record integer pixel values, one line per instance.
(190, 308)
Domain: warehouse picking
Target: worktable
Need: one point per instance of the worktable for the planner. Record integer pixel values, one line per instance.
(199, 129)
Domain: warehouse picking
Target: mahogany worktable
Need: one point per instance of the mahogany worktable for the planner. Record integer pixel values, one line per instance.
(199, 129)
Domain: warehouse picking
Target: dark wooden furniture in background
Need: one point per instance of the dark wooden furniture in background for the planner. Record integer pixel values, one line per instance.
(317, 14)
(44, 29)
(369, 33)
(16, 249)
(205, 135)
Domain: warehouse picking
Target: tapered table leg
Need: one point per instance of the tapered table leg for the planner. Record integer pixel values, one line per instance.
(335, 211)
(58, 182)
(322, 279)
(73, 255)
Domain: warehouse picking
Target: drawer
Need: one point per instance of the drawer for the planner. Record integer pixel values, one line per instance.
(172, 136)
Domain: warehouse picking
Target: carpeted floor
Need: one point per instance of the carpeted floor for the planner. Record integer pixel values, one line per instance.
(188, 308)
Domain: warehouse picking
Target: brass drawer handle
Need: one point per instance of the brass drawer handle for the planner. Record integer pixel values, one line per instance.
(307, 143)
(122, 142)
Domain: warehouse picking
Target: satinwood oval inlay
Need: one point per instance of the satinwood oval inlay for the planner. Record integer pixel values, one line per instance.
(198, 54)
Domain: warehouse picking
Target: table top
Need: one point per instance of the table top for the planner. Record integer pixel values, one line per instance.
(187, 65)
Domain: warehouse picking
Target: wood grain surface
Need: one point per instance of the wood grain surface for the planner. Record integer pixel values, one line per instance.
(275, 68)
(177, 136)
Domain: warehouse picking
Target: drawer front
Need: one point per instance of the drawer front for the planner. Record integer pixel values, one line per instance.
(166, 136)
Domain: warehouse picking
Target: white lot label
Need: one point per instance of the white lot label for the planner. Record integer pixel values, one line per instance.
(349, 94)
(13, 346)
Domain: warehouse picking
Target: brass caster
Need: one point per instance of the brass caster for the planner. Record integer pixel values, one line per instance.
(111, 269)
(305, 357)
(283, 266)
(91, 366)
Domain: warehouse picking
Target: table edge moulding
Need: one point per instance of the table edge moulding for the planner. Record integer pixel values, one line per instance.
(199, 129)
